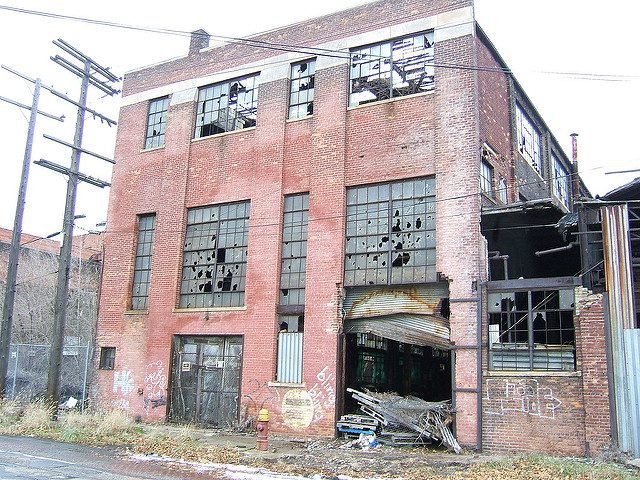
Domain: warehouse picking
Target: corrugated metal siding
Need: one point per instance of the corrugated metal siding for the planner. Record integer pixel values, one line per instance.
(632, 350)
(617, 263)
(290, 357)
(408, 313)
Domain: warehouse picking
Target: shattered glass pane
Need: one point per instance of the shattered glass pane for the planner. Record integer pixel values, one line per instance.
(302, 89)
(392, 69)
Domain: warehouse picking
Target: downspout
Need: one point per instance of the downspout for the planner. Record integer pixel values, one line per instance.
(479, 374)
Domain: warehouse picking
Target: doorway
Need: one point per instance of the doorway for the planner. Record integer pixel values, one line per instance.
(205, 384)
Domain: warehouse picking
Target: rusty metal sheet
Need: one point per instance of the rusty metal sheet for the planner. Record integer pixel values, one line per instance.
(376, 301)
(425, 330)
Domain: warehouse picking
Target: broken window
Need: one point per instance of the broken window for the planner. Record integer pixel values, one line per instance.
(560, 182)
(528, 139)
(215, 256)
(107, 358)
(390, 237)
(292, 288)
(302, 89)
(392, 69)
(142, 267)
(502, 190)
(531, 330)
(227, 106)
(156, 123)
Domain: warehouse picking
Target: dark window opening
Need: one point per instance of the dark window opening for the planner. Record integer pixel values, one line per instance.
(142, 266)
(107, 358)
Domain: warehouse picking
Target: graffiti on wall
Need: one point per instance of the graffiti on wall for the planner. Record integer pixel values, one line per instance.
(261, 394)
(323, 393)
(155, 385)
(122, 380)
(525, 396)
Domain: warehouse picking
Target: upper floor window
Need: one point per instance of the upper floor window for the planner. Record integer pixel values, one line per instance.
(392, 69)
(215, 256)
(391, 233)
(142, 268)
(560, 182)
(528, 139)
(486, 179)
(302, 88)
(502, 190)
(227, 106)
(156, 123)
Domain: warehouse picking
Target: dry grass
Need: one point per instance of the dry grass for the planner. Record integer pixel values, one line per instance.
(36, 416)
(114, 422)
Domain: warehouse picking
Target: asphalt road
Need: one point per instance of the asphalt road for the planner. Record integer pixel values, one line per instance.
(24, 458)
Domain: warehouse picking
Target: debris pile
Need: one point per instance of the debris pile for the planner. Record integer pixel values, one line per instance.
(401, 420)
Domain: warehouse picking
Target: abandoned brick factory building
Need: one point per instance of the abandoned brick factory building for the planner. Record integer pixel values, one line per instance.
(345, 203)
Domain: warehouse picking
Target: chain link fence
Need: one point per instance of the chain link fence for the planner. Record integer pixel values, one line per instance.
(28, 369)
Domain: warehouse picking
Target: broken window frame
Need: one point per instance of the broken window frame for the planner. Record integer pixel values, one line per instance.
(528, 138)
(156, 123)
(215, 256)
(560, 181)
(295, 220)
(142, 264)
(395, 68)
(227, 106)
(302, 88)
(531, 330)
(107, 358)
(390, 233)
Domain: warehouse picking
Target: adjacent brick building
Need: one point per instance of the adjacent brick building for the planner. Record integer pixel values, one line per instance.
(300, 212)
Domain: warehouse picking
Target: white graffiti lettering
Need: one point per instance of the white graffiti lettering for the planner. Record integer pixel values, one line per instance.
(124, 381)
(526, 396)
(323, 394)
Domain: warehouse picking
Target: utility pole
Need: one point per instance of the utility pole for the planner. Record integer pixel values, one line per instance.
(14, 252)
(91, 73)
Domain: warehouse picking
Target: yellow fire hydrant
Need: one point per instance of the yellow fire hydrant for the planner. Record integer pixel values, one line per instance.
(262, 426)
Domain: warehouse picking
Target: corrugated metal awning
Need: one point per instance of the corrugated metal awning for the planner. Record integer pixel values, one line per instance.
(405, 313)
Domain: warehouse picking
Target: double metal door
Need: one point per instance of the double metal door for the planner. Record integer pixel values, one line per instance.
(206, 380)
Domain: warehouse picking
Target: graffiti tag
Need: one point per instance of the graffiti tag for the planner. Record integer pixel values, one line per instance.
(524, 396)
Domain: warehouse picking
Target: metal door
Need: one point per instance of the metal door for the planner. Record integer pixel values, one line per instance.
(206, 380)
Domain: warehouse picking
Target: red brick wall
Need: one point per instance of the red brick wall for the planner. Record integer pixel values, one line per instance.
(428, 134)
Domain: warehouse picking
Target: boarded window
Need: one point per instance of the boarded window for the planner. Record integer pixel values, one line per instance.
(390, 236)
(531, 330)
(392, 69)
(215, 256)
(156, 123)
(302, 89)
(142, 268)
(292, 288)
(227, 106)
(528, 139)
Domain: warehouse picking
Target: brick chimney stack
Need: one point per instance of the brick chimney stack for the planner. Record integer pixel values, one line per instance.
(199, 40)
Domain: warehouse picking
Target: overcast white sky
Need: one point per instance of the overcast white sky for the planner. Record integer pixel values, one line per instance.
(544, 42)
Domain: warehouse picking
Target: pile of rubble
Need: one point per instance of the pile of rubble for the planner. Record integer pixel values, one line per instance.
(399, 420)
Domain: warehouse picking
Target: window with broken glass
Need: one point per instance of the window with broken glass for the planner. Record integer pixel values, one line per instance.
(528, 139)
(142, 267)
(560, 182)
(156, 123)
(392, 69)
(390, 233)
(215, 256)
(531, 330)
(302, 89)
(486, 179)
(227, 106)
(292, 288)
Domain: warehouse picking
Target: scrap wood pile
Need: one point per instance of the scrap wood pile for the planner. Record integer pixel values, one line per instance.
(401, 420)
